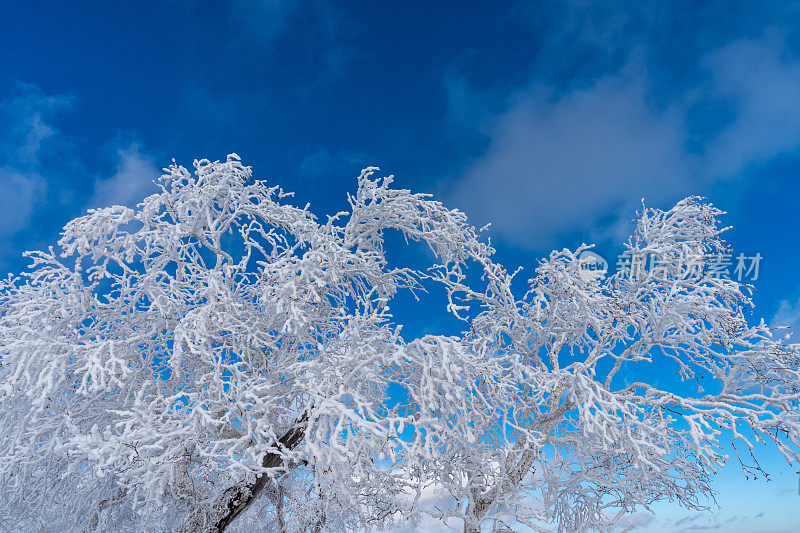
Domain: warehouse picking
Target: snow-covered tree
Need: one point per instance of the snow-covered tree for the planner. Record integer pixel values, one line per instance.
(218, 357)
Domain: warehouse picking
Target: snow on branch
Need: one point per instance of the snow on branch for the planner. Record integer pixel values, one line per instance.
(218, 356)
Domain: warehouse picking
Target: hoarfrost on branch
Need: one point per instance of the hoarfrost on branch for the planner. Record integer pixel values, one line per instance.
(219, 356)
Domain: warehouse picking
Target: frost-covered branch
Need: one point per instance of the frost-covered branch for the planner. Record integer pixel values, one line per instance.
(218, 356)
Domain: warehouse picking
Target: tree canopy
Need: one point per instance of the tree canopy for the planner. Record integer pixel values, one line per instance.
(219, 357)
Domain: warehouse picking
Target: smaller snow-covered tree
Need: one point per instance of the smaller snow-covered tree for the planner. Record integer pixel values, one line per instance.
(571, 426)
(219, 353)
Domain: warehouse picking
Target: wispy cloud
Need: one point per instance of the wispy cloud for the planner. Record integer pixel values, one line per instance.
(713, 521)
(761, 83)
(561, 160)
(789, 315)
(19, 193)
(698, 521)
(26, 121)
(553, 164)
(43, 177)
(133, 180)
(633, 521)
(27, 140)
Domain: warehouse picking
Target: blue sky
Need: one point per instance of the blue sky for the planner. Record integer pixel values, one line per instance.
(550, 119)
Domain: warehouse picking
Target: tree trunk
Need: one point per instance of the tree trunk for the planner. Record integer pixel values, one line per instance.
(478, 512)
(470, 528)
(215, 517)
(515, 473)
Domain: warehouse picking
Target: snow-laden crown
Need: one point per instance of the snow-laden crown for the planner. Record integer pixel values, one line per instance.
(166, 366)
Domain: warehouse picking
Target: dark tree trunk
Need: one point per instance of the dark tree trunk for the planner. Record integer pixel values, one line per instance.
(215, 517)
(471, 529)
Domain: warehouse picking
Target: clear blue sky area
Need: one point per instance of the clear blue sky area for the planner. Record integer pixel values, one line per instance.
(550, 119)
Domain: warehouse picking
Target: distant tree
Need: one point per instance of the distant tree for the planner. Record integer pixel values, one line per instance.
(218, 357)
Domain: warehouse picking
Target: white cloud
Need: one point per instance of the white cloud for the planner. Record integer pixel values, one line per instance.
(560, 162)
(26, 136)
(133, 180)
(555, 163)
(43, 179)
(631, 522)
(19, 193)
(789, 315)
(764, 87)
(25, 121)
